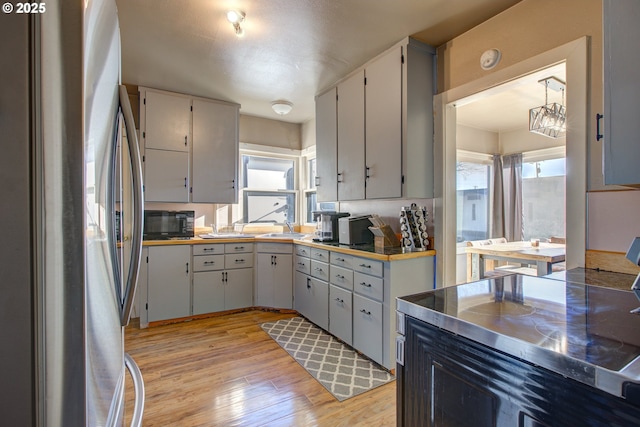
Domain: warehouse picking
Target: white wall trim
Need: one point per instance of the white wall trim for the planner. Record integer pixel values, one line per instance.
(575, 54)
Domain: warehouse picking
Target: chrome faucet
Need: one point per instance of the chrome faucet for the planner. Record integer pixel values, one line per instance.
(289, 226)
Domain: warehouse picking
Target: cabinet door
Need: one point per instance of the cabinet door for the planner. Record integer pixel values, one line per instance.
(238, 288)
(383, 109)
(351, 138)
(215, 152)
(367, 327)
(167, 121)
(341, 313)
(166, 176)
(169, 282)
(301, 300)
(327, 147)
(318, 292)
(621, 92)
(265, 284)
(208, 292)
(283, 281)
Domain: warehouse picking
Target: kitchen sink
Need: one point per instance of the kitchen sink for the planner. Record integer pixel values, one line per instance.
(225, 236)
(282, 235)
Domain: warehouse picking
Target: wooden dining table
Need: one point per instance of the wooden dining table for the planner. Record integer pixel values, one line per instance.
(542, 256)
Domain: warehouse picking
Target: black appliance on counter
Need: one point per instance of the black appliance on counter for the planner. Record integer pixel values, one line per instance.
(165, 225)
(327, 225)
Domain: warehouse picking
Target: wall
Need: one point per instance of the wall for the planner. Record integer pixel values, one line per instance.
(518, 141)
(530, 28)
(274, 133)
(477, 140)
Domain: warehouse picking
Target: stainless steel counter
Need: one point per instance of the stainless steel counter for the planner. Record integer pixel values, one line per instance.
(582, 332)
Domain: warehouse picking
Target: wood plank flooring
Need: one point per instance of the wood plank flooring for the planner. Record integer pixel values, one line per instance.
(226, 371)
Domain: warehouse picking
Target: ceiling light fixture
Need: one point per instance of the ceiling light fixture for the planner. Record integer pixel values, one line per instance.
(282, 107)
(550, 119)
(236, 17)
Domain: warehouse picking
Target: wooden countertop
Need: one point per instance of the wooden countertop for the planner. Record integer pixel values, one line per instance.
(390, 254)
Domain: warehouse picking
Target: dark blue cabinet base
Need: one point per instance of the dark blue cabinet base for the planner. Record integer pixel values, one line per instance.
(448, 380)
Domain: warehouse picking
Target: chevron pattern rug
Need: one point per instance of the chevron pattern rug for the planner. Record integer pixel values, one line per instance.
(335, 365)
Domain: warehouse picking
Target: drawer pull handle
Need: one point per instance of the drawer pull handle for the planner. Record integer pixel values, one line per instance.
(365, 266)
(340, 276)
(341, 301)
(368, 285)
(318, 269)
(302, 264)
(340, 259)
(209, 249)
(209, 262)
(239, 261)
(239, 248)
(368, 313)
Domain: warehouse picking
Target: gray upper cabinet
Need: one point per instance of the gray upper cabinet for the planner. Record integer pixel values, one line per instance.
(190, 148)
(383, 110)
(327, 146)
(167, 121)
(351, 138)
(621, 33)
(215, 152)
(384, 127)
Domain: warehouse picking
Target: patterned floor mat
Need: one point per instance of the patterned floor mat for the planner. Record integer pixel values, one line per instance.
(340, 369)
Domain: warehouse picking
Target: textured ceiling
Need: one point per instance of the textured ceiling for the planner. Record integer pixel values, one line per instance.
(292, 49)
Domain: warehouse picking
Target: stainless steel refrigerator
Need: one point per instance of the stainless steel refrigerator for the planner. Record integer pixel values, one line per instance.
(66, 288)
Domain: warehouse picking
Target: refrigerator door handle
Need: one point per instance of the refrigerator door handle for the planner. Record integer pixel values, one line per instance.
(138, 387)
(138, 207)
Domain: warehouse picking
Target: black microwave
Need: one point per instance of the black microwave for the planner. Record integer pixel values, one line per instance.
(163, 225)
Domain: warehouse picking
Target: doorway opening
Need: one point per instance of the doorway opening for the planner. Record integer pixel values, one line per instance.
(574, 56)
(494, 126)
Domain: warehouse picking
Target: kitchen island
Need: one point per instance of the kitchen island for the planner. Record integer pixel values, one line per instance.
(519, 351)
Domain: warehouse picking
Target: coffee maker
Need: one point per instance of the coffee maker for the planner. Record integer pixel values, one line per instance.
(327, 225)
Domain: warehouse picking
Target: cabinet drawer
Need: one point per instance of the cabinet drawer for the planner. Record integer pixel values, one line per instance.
(208, 262)
(367, 327)
(320, 254)
(208, 249)
(303, 264)
(238, 260)
(231, 248)
(368, 266)
(274, 248)
(303, 250)
(342, 260)
(320, 270)
(341, 276)
(369, 286)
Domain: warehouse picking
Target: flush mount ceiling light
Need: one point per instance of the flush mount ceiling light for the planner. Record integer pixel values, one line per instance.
(236, 17)
(282, 107)
(550, 119)
(490, 58)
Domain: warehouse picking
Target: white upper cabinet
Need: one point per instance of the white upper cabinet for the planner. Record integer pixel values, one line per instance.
(621, 60)
(327, 147)
(168, 121)
(351, 138)
(215, 152)
(190, 144)
(383, 110)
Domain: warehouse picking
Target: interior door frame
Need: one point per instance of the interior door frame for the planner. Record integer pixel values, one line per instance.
(575, 55)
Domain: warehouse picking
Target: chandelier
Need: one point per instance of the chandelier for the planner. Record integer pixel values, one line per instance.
(549, 119)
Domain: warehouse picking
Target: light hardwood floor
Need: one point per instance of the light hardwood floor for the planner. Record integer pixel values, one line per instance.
(226, 371)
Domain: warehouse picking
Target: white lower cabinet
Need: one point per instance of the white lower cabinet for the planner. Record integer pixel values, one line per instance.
(341, 313)
(238, 288)
(208, 292)
(169, 282)
(274, 275)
